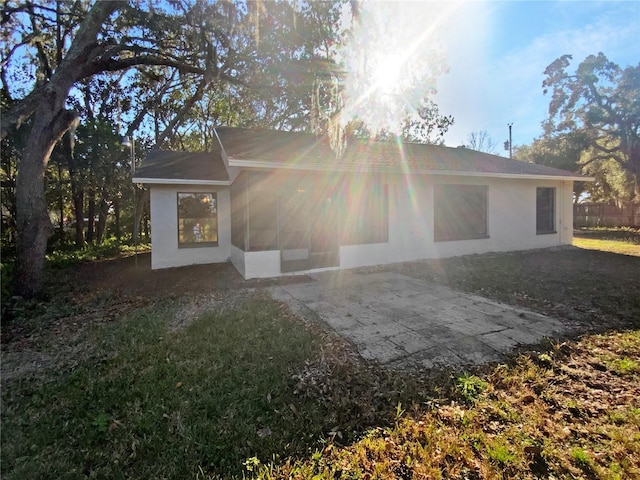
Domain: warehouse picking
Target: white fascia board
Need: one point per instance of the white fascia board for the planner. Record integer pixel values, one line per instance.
(225, 157)
(527, 176)
(348, 168)
(179, 181)
(233, 172)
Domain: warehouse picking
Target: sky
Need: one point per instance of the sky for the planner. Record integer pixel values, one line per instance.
(497, 51)
(484, 59)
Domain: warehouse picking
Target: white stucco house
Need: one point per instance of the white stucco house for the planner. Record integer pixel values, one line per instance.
(274, 203)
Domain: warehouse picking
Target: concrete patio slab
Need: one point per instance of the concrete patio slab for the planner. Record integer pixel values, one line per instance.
(403, 322)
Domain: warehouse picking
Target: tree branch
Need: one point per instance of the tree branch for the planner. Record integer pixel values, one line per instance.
(62, 122)
(21, 111)
(210, 74)
(68, 72)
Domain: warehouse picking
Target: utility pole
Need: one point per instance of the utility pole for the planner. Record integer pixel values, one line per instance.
(508, 145)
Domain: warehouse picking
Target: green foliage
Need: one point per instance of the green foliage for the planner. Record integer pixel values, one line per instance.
(426, 125)
(110, 248)
(561, 150)
(580, 457)
(625, 365)
(613, 184)
(600, 101)
(175, 53)
(11, 148)
(470, 387)
(499, 452)
(558, 150)
(545, 359)
(102, 422)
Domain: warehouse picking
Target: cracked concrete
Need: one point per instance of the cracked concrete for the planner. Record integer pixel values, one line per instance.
(403, 322)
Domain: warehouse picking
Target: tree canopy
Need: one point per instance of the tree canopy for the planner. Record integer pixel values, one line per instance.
(76, 75)
(142, 62)
(598, 105)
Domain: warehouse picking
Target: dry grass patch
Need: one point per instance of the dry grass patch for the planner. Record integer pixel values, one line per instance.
(570, 413)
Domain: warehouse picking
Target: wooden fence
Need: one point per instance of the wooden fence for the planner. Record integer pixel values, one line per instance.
(602, 215)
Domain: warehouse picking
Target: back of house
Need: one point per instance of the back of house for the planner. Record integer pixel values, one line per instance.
(277, 203)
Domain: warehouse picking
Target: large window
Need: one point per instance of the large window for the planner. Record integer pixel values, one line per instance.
(545, 210)
(460, 212)
(367, 220)
(197, 219)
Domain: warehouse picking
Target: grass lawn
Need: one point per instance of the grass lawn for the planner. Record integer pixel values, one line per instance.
(107, 380)
(175, 387)
(616, 240)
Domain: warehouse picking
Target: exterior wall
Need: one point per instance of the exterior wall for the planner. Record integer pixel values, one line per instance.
(565, 199)
(511, 219)
(237, 258)
(164, 228)
(256, 264)
(262, 264)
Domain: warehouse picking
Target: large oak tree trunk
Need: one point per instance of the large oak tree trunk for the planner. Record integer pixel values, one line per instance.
(33, 223)
(46, 104)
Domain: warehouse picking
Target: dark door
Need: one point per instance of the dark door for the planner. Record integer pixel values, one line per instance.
(324, 250)
(294, 230)
(308, 229)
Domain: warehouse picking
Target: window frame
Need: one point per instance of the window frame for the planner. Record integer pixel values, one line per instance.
(443, 194)
(195, 244)
(547, 213)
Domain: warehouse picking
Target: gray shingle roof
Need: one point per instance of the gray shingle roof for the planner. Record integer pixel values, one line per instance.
(276, 149)
(160, 164)
(300, 150)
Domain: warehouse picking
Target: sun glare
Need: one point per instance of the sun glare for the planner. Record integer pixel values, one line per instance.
(387, 74)
(393, 60)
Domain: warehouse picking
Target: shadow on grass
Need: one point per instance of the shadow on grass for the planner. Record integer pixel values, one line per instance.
(146, 402)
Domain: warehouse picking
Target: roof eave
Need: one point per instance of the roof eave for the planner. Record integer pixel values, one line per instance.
(354, 169)
(180, 181)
